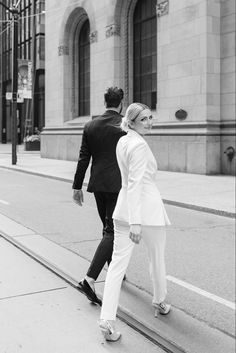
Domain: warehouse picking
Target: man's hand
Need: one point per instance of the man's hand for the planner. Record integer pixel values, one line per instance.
(78, 197)
(135, 233)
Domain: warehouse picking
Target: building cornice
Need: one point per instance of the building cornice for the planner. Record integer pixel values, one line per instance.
(210, 128)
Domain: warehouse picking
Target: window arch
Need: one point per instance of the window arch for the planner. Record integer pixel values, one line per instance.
(145, 53)
(84, 70)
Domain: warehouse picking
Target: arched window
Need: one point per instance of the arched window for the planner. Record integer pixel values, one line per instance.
(84, 70)
(145, 53)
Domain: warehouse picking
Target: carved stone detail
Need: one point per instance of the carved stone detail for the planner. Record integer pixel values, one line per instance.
(63, 50)
(112, 30)
(162, 8)
(93, 37)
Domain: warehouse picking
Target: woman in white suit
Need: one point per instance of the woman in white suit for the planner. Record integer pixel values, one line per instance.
(139, 213)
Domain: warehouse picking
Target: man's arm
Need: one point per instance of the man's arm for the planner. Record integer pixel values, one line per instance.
(83, 162)
(82, 165)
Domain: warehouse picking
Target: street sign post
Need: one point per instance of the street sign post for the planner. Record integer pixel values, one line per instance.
(14, 13)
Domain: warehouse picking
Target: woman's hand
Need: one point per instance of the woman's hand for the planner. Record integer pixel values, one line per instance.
(135, 233)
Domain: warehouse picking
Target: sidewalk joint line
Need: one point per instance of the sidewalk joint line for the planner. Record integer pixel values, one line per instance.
(198, 208)
(32, 293)
(80, 241)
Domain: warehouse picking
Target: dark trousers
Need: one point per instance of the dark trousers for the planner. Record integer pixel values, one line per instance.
(106, 202)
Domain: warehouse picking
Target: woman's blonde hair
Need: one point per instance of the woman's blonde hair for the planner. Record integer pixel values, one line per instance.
(131, 114)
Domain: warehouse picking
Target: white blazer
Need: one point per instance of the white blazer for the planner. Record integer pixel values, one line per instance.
(139, 200)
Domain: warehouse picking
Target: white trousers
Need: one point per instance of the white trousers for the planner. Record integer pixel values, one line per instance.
(155, 238)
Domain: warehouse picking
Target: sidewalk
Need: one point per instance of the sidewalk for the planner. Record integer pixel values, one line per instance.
(41, 313)
(214, 194)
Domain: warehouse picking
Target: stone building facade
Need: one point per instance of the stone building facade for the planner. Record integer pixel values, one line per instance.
(177, 56)
(31, 73)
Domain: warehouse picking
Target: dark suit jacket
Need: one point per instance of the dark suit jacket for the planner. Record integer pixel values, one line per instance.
(99, 140)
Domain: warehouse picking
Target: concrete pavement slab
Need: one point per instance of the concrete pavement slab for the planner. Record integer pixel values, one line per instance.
(56, 318)
(16, 228)
(17, 278)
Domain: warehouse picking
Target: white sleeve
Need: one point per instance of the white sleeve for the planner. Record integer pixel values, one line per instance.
(137, 167)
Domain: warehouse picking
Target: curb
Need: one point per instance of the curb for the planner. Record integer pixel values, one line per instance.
(204, 209)
(200, 208)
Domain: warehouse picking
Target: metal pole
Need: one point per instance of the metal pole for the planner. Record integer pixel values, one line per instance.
(14, 12)
(33, 59)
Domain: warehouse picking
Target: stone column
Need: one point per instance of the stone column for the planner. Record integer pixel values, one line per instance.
(228, 94)
(105, 64)
(188, 47)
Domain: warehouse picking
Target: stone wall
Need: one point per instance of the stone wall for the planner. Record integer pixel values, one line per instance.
(227, 99)
(196, 72)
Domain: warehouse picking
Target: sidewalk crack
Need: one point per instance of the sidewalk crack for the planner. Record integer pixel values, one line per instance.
(32, 293)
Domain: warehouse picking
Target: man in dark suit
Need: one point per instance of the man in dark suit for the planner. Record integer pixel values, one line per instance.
(99, 140)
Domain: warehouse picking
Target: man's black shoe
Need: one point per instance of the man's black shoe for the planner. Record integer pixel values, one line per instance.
(85, 288)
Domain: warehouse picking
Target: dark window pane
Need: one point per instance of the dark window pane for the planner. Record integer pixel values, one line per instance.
(154, 63)
(146, 65)
(153, 26)
(144, 30)
(144, 5)
(136, 67)
(87, 91)
(137, 84)
(145, 52)
(84, 70)
(148, 29)
(149, 100)
(148, 9)
(154, 45)
(148, 80)
(87, 66)
(137, 47)
(154, 81)
(144, 97)
(148, 46)
(154, 100)
(137, 14)
(137, 32)
(137, 97)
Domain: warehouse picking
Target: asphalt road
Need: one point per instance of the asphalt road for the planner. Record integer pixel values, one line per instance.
(200, 252)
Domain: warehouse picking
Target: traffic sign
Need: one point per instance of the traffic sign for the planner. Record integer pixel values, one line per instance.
(20, 96)
(8, 96)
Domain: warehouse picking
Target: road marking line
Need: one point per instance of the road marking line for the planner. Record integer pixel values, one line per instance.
(4, 202)
(202, 292)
